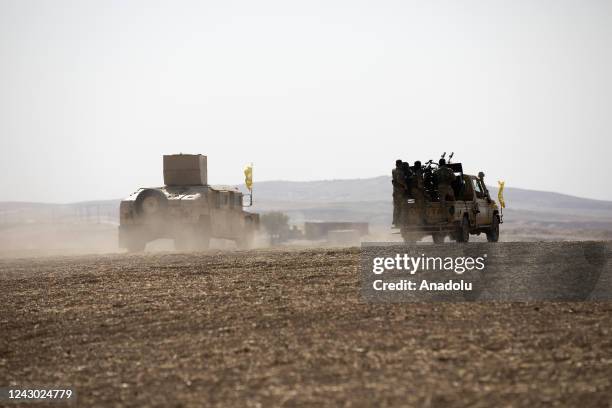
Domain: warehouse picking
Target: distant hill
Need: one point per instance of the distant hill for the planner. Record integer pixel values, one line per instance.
(325, 191)
(530, 214)
(346, 200)
(378, 189)
(32, 229)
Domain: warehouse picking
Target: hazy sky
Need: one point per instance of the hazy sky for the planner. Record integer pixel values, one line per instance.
(93, 93)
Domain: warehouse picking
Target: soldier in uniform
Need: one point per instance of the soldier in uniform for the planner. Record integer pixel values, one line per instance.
(400, 188)
(481, 178)
(408, 176)
(445, 177)
(417, 188)
(429, 184)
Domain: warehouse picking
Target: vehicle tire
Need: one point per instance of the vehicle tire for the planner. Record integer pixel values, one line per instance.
(438, 237)
(493, 233)
(463, 234)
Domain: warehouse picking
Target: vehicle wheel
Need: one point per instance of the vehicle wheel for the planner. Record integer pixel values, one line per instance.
(493, 233)
(463, 235)
(438, 237)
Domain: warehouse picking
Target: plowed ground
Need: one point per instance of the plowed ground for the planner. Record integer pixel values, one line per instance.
(274, 327)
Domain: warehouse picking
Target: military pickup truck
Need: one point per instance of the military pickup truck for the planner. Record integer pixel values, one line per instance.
(186, 209)
(472, 213)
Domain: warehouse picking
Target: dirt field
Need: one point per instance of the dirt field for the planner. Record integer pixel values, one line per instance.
(270, 328)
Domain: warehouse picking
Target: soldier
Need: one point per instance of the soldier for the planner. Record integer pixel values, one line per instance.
(445, 177)
(400, 188)
(408, 176)
(417, 188)
(429, 184)
(486, 190)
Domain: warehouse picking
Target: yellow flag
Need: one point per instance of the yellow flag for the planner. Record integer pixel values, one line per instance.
(500, 194)
(248, 177)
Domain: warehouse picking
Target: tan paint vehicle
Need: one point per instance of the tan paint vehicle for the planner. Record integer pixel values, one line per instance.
(472, 213)
(186, 209)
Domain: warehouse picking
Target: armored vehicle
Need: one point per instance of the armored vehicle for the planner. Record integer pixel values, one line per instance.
(472, 211)
(186, 209)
